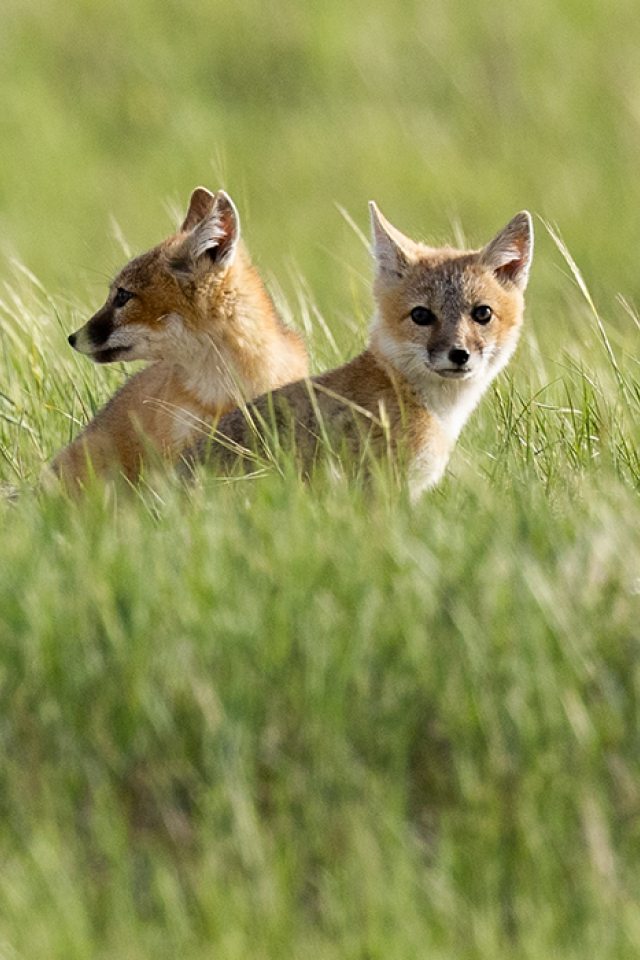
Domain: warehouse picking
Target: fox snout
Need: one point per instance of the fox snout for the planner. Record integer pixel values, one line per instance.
(459, 356)
(455, 361)
(90, 338)
(81, 340)
(96, 339)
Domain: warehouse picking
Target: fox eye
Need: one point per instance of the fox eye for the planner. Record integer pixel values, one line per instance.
(482, 313)
(423, 316)
(122, 296)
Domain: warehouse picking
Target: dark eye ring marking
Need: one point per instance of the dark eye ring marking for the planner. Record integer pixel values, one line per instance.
(423, 316)
(122, 296)
(482, 313)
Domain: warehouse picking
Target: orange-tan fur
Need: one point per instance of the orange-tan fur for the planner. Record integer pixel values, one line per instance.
(446, 322)
(197, 307)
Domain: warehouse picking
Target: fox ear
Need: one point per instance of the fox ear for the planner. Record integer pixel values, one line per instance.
(218, 234)
(200, 205)
(509, 253)
(391, 249)
(211, 242)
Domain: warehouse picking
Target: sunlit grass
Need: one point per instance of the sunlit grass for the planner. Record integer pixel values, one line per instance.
(267, 718)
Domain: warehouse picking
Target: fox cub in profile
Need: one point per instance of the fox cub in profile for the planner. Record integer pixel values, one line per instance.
(446, 322)
(197, 307)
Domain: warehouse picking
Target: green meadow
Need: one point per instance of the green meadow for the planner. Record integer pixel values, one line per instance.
(266, 719)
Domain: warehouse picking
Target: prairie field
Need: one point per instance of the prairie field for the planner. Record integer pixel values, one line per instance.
(266, 718)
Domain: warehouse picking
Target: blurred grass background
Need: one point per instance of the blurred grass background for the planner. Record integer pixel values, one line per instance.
(275, 721)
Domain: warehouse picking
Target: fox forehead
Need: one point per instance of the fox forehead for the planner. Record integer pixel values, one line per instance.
(450, 282)
(142, 271)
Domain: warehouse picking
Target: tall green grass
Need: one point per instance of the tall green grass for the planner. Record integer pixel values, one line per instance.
(268, 719)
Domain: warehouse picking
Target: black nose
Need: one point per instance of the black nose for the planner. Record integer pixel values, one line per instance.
(72, 339)
(458, 356)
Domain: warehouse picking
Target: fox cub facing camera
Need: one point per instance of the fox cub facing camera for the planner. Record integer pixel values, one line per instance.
(197, 307)
(446, 322)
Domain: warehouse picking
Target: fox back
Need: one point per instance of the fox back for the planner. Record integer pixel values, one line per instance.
(197, 308)
(446, 322)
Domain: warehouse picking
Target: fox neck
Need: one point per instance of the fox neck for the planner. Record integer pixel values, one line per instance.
(231, 354)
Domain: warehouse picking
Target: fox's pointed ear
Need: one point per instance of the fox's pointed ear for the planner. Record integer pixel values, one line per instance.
(509, 253)
(200, 206)
(211, 242)
(391, 249)
(218, 234)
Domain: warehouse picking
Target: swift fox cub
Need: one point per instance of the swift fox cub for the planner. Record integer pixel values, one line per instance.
(446, 321)
(196, 306)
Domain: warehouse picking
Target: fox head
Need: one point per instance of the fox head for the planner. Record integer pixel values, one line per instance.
(161, 295)
(445, 314)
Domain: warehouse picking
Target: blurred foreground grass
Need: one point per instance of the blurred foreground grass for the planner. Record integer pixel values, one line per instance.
(268, 720)
(271, 721)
